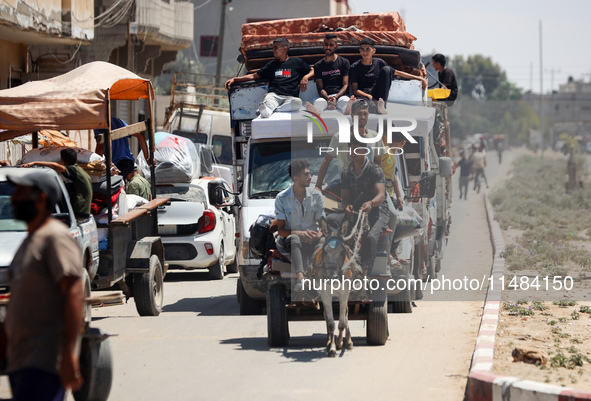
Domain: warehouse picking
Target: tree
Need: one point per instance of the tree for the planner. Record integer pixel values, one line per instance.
(506, 91)
(477, 76)
(163, 83)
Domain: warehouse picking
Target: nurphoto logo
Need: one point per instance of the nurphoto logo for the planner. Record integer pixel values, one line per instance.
(345, 131)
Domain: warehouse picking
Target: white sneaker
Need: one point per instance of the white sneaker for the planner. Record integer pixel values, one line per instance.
(264, 111)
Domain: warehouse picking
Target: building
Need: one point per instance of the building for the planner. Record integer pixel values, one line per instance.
(45, 38)
(207, 25)
(567, 110)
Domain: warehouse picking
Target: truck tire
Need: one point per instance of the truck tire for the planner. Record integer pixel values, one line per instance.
(377, 319)
(248, 306)
(277, 326)
(148, 289)
(216, 272)
(87, 312)
(233, 267)
(96, 367)
(402, 302)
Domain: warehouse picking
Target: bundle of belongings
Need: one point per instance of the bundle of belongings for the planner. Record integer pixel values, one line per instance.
(89, 161)
(306, 36)
(175, 158)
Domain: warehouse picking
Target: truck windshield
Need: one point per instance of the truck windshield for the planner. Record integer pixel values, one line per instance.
(7, 220)
(268, 174)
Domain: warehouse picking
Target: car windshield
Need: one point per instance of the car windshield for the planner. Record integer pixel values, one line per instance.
(181, 193)
(7, 220)
(268, 174)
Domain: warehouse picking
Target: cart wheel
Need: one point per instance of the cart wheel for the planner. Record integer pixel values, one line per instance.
(233, 267)
(216, 272)
(148, 289)
(377, 319)
(248, 305)
(87, 312)
(277, 326)
(401, 302)
(96, 367)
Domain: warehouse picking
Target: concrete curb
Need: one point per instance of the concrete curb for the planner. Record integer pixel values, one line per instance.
(483, 384)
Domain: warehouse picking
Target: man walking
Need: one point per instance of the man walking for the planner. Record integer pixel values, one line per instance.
(466, 173)
(44, 317)
(287, 76)
(479, 163)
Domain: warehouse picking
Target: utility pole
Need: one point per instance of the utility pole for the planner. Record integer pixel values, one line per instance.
(218, 66)
(542, 94)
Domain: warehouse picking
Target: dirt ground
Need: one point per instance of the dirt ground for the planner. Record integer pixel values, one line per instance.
(562, 331)
(554, 331)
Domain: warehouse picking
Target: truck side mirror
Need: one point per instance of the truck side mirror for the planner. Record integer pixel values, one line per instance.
(445, 169)
(428, 184)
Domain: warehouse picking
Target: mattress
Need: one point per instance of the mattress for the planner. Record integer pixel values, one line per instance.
(367, 22)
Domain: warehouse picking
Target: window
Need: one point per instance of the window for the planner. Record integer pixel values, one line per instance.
(209, 46)
(222, 148)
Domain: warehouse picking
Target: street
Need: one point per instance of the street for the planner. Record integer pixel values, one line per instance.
(199, 348)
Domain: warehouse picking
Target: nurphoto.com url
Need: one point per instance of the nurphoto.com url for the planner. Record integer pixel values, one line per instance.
(545, 283)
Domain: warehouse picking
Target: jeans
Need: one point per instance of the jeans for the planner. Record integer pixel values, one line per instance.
(31, 384)
(298, 250)
(321, 104)
(273, 101)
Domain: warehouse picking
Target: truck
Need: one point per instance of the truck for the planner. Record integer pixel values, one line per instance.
(263, 148)
(133, 259)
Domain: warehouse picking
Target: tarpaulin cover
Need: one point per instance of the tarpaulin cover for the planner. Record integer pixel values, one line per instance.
(175, 157)
(75, 100)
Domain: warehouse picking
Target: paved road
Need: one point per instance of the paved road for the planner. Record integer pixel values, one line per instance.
(199, 348)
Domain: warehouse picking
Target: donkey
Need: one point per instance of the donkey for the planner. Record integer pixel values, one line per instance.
(328, 265)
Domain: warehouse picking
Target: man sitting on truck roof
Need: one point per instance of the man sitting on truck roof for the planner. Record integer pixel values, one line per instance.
(298, 210)
(80, 189)
(332, 79)
(287, 76)
(341, 151)
(371, 77)
(447, 78)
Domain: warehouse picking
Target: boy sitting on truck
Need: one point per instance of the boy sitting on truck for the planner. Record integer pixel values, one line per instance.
(371, 77)
(332, 79)
(287, 76)
(80, 188)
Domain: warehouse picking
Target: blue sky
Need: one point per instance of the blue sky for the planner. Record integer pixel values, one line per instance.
(507, 31)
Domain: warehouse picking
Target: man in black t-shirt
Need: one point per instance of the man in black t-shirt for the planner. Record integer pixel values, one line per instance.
(466, 174)
(332, 78)
(447, 78)
(371, 77)
(287, 77)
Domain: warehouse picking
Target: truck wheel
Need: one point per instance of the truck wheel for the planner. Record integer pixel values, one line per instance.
(377, 319)
(277, 326)
(248, 305)
(87, 312)
(216, 272)
(401, 302)
(148, 289)
(96, 367)
(233, 267)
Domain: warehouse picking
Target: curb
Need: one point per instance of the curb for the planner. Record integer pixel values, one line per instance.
(483, 384)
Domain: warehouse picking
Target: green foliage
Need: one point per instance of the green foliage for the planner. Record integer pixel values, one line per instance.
(478, 76)
(163, 83)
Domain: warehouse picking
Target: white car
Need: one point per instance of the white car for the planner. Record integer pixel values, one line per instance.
(198, 228)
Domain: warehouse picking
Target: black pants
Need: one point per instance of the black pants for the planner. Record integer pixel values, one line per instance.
(36, 385)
